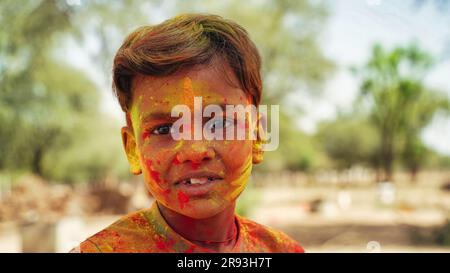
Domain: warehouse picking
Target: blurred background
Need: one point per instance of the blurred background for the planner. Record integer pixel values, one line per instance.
(363, 87)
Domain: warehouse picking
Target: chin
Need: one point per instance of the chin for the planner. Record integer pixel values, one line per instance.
(202, 208)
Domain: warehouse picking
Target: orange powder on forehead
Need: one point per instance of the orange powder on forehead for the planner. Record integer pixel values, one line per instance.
(188, 92)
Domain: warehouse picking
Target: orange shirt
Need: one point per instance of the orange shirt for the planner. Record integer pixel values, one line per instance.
(147, 231)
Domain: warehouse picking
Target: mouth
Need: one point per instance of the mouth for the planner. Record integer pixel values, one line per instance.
(198, 184)
(197, 180)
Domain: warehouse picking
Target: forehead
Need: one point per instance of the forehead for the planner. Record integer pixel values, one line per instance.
(215, 83)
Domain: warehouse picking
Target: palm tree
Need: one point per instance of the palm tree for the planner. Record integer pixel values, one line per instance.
(400, 104)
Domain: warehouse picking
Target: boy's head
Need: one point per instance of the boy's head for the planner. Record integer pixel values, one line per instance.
(161, 66)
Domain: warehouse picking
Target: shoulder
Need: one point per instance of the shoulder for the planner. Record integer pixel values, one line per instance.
(121, 236)
(261, 238)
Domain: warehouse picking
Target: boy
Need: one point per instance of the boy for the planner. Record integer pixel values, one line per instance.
(195, 182)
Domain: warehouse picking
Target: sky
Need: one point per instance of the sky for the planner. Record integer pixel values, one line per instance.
(351, 29)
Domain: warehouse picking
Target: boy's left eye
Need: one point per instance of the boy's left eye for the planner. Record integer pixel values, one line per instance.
(162, 129)
(219, 123)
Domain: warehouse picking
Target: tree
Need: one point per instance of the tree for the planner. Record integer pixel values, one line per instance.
(419, 115)
(286, 33)
(28, 32)
(44, 102)
(349, 141)
(400, 104)
(297, 151)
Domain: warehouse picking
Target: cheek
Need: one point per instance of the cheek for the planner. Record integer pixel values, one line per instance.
(237, 156)
(154, 162)
(154, 178)
(236, 153)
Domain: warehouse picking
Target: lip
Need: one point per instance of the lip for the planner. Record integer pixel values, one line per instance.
(193, 190)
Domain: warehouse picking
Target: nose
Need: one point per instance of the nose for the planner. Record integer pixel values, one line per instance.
(195, 153)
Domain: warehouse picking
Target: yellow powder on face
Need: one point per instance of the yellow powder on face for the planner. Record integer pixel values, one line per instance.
(178, 145)
(188, 92)
(242, 180)
(135, 115)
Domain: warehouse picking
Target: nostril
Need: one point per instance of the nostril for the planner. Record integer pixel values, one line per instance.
(209, 154)
(194, 157)
(176, 161)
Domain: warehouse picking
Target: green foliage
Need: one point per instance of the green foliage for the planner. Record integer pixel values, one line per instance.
(248, 200)
(95, 153)
(286, 33)
(349, 141)
(297, 151)
(47, 106)
(400, 104)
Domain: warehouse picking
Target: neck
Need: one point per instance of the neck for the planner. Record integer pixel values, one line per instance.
(205, 232)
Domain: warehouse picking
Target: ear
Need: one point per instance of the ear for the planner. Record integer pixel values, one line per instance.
(129, 144)
(257, 146)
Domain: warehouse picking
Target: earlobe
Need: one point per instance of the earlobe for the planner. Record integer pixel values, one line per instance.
(257, 146)
(257, 152)
(129, 144)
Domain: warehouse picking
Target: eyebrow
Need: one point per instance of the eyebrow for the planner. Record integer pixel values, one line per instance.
(224, 105)
(156, 116)
(168, 116)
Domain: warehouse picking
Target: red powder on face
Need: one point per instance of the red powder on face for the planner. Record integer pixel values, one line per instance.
(182, 199)
(145, 135)
(148, 163)
(195, 165)
(154, 174)
(176, 161)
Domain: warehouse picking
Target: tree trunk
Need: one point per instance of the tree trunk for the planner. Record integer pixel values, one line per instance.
(36, 166)
(414, 171)
(388, 158)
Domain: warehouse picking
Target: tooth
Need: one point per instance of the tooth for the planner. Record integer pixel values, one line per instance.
(202, 180)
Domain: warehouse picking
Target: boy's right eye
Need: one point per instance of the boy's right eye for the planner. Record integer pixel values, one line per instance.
(162, 129)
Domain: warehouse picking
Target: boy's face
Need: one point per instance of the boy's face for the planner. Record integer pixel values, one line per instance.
(196, 178)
